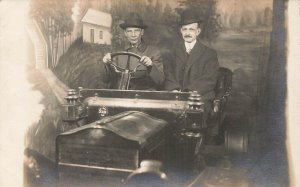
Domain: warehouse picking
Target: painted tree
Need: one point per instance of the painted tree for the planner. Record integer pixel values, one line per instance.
(268, 16)
(169, 19)
(158, 9)
(55, 20)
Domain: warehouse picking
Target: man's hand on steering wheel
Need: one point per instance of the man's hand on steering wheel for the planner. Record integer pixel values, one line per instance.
(107, 58)
(146, 61)
(125, 73)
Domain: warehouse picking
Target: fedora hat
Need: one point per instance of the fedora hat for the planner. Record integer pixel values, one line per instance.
(133, 20)
(189, 16)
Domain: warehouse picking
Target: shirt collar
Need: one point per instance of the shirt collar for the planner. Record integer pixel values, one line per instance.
(190, 45)
(141, 46)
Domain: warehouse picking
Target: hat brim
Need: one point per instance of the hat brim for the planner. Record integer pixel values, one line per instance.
(186, 22)
(124, 26)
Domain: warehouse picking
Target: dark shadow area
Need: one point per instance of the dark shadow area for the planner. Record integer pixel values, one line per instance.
(271, 168)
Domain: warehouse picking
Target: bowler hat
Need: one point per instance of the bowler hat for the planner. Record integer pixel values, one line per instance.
(133, 20)
(189, 16)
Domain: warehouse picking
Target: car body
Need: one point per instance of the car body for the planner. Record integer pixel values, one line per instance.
(115, 130)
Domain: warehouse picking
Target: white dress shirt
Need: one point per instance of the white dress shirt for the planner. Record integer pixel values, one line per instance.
(189, 46)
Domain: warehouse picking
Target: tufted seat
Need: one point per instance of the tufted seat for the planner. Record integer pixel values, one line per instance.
(222, 89)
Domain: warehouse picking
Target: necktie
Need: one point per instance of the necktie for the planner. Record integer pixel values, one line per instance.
(188, 50)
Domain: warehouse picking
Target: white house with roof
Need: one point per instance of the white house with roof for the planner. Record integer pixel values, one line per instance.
(96, 27)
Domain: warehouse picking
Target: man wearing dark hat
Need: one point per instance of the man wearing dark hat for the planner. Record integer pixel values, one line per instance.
(194, 67)
(149, 76)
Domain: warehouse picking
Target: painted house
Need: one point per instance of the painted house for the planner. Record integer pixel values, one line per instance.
(96, 27)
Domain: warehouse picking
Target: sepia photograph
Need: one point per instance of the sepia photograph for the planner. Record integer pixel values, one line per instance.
(187, 93)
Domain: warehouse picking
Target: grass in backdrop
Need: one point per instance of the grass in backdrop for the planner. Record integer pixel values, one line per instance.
(81, 65)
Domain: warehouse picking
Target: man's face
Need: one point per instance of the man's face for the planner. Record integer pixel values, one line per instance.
(133, 34)
(190, 32)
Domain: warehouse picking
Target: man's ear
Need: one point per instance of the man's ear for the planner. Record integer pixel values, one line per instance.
(142, 32)
(198, 31)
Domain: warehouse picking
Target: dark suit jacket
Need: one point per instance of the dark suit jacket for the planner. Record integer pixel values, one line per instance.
(197, 71)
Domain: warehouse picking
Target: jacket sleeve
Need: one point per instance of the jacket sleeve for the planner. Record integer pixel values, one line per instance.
(171, 82)
(206, 82)
(110, 77)
(156, 72)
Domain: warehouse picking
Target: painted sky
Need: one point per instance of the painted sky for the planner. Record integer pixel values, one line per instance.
(227, 6)
(224, 6)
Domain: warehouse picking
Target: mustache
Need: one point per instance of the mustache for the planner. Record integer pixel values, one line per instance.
(187, 36)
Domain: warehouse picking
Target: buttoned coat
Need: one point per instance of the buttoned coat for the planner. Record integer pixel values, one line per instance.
(196, 71)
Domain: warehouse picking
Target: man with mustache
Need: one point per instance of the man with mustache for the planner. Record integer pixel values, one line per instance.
(150, 76)
(192, 66)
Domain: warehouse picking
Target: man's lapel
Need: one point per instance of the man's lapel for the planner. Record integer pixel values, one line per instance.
(196, 52)
(181, 52)
(142, 46)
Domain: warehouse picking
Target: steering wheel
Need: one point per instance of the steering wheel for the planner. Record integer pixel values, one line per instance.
(126, 73)
(119, 69)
